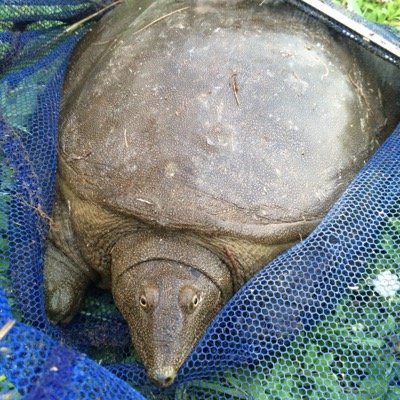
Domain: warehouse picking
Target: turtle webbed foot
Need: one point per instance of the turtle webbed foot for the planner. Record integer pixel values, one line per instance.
(65, 286)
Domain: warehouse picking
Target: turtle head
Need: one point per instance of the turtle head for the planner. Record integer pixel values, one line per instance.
(167, 300)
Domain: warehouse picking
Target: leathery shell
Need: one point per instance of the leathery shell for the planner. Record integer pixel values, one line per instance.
(219, 117)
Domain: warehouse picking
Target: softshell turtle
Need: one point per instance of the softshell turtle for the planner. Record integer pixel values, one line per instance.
(197, 141)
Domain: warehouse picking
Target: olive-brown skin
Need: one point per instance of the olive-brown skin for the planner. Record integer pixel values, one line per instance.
(191, 153)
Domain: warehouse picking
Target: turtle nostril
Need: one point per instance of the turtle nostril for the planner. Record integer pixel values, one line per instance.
(168, 380)
(164, 377)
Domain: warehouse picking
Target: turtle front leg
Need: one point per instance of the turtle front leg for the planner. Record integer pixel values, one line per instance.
(65, 286)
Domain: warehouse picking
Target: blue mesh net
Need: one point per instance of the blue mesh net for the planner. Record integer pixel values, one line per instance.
(321, 321)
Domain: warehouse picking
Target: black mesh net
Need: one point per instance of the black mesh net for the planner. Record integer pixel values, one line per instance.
(321, 321)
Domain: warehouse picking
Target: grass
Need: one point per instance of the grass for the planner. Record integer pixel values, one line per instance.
(349, 355)
(352, 354)
(7, 389)
(382, 11)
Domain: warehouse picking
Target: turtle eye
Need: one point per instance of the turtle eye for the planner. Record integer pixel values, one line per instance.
(195, 301)
(189, 299)
(143, 301)
(148, 298)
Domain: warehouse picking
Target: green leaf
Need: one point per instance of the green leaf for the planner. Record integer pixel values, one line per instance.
(285, 390)
(374, 388)
(354, 7)
(19, 102)
(393, 393)
(369, 342)
(388, 326)
(390, 246)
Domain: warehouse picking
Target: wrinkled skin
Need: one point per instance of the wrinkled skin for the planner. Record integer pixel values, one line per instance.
(193, 152)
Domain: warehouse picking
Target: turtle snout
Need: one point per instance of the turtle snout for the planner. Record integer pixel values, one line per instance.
(163, 376)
